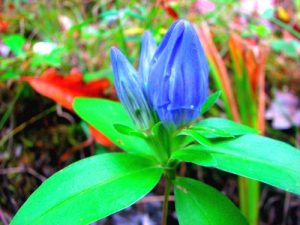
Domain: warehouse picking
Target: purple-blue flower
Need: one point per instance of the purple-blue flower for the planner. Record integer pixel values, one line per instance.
(130, 91)
(171, 82)
(178, 78)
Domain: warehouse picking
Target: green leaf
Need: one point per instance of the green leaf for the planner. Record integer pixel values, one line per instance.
(268, 14)
(218, 127)
(105, 73)
(10, 74)
(15, 42)
(89, 190)
(288, 47)
(209, 132)
(52, 59)
(253, 156)
(260, 30)
(128, 131)
(196, 136)
(198, 203)
(210, 101)
(103, 114)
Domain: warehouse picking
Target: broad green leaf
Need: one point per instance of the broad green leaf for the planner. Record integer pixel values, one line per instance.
(103, 114)
(89, 190)
(253, 156)
(210, 101)
(218, 127)
(198, 203)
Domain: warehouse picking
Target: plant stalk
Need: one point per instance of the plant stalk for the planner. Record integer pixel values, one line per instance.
(166, 201)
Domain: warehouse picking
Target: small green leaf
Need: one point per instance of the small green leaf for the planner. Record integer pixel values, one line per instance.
(103, 114)
(209, 132)
(268, 14)
(128, 130)
(15, 42)
(217, 126)
(288, 47)
(198, 203)
(253, 156)
(89, 190)
(104, 73)
(10, 74)
(52, 59)
(196, 136)
(194, 155)
(210, 101)
(156, 128)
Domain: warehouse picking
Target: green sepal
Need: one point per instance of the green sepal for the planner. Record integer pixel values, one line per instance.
(210, 101)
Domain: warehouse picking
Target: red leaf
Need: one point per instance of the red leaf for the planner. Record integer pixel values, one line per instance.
(63, 90)
(166, 5)
(3, 26)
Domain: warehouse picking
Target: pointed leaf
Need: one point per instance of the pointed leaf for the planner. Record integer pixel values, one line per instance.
(198, 203)
(128, 131)
(210, 101)
(89, 190)
(209, 132)
(227, 126)
(253, 156)
(196, 136)
(103, 115)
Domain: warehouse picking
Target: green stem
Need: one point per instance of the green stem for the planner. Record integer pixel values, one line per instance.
(286, 27)
(166, 201)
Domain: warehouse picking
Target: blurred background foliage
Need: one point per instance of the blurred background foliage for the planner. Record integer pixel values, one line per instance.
(253, 48)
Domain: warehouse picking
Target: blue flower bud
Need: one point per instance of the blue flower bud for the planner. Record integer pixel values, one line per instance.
(178, 78)
(147, 53)
(130, 91)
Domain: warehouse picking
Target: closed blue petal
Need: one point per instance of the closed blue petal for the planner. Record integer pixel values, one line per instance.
(147, 51)
(129, 90)
(178, 78)
(161, 67)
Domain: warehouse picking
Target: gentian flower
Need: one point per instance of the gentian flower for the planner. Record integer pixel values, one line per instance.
(172, 80)
(178, 78)
(147, 53)
(130, 91)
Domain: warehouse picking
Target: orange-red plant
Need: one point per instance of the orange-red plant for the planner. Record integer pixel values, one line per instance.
(166, 5)
(222, 79)
(63, 90)
(244, 98)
